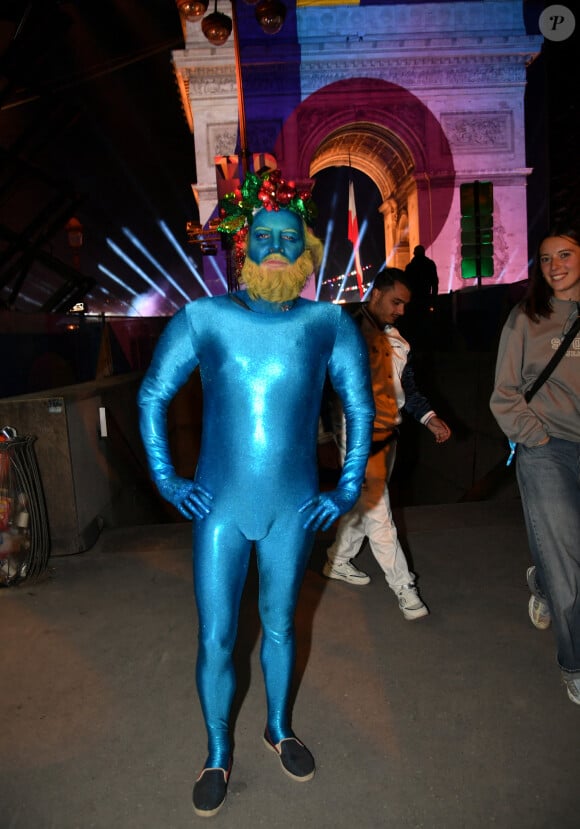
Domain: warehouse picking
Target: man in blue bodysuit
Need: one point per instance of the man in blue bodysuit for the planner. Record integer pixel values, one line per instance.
(263, 355)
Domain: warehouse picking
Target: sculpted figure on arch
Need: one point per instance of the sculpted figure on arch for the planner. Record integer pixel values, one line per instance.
(263, 353)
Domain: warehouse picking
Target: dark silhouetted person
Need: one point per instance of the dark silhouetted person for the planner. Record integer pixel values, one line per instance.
(422, 275)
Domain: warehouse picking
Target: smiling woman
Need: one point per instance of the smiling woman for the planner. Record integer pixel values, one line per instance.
(560, 266)
(546, 429)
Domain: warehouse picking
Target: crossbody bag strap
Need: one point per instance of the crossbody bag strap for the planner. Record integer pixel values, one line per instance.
(562, 348)
(541, 378)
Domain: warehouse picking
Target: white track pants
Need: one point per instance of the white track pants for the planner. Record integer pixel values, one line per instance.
(372, 517)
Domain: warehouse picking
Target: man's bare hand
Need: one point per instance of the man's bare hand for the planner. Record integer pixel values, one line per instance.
(439, 428)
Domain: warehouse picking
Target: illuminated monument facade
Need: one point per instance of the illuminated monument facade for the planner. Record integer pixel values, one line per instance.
(421, 97)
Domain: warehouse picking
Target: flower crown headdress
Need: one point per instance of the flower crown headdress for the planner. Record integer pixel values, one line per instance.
(267, 190)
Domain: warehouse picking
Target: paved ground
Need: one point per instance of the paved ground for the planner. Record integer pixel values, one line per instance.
(457, 721)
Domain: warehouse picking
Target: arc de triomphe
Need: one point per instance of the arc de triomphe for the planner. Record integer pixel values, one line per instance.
(419, 96)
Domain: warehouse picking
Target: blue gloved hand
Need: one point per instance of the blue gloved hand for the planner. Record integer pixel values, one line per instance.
(190, 498)
(326, 507)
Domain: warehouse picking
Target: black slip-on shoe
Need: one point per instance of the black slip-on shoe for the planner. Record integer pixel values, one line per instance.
(209, 792)
(297, 761)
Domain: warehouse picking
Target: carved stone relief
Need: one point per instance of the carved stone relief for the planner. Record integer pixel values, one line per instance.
(468, 131)
(414, 73)
(221, 140)
(399, 21)
(215, 81)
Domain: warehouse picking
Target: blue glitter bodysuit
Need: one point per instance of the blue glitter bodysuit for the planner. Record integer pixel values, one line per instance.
(262, 373)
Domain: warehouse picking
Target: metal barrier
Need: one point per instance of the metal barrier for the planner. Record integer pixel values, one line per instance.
(24, 533)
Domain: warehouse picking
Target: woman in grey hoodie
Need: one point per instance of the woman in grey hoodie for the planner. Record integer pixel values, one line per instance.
(547, 433)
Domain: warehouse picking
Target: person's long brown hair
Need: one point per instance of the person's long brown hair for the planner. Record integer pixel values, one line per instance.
(536, 302)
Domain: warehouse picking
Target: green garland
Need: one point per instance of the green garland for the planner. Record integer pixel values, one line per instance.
(269, 191)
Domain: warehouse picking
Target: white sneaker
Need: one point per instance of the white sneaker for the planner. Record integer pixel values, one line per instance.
(410, 602)
(345, 571)
(573, 688)
(539, 613)
(538, 608)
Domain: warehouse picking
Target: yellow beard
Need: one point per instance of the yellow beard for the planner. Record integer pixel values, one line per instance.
(277, 285)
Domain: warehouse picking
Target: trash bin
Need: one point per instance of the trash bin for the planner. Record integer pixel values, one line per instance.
(24, 533)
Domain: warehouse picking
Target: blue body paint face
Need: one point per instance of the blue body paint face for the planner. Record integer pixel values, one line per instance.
(275, 234)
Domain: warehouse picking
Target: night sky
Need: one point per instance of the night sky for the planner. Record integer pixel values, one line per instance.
(90, 110)
(90, 115)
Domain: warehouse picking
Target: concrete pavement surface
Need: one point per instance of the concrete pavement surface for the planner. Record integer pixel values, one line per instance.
(455, 721)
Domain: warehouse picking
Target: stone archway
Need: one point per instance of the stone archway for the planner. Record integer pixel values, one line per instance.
(387, 161)
(436, 76)
(401, 252)
(386, 132)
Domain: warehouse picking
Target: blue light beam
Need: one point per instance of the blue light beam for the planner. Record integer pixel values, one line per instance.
(169, 235)
(217, 269)
(348, 269)
(139, 271)
(116, 279)
(328, 234)
(141, 247)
